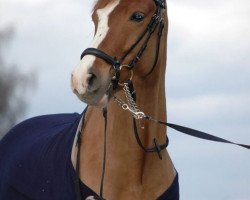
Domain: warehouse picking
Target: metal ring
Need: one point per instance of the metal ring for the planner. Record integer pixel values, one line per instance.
(125, 107)
(131, 74)
(121, 66)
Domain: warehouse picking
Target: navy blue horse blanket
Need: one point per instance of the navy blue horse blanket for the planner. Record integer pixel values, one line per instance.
(35, 161)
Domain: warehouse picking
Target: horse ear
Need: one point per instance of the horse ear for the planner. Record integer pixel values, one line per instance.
(161, 3)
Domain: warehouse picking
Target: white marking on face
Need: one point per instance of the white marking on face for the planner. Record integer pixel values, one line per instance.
(80, 73)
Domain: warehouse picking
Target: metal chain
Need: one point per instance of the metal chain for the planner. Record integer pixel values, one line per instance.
(131, 105)
(136, 114)
(130, 99)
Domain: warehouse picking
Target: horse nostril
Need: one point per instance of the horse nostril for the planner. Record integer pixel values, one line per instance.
(92, 83)
(91, 80)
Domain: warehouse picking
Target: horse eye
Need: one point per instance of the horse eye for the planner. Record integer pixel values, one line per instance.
(137, 17)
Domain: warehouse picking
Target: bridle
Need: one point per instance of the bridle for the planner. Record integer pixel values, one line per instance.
(117, 65)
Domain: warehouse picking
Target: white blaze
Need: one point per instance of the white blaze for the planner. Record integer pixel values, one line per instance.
(80, 73)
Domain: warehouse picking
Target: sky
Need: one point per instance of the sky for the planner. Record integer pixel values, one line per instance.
(207, 80)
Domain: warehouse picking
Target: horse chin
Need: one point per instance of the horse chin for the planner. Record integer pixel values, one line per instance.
(104, 101)
(93, 100)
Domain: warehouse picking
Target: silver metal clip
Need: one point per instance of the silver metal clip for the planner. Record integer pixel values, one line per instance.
(137, 115)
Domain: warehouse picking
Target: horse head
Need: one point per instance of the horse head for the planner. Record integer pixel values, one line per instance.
(126, 32)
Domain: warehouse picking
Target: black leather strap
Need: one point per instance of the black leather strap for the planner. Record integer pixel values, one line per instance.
(158, 44)
(77, 178)
(157, 148)
(100, 54)
(112, 61)
(149, 29)
(196, 133)
(105, 115)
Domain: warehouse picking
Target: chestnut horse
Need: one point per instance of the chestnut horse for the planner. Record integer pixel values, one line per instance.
(67, 156)
(131, 173)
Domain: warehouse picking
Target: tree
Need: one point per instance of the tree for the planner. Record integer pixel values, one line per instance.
(14, 86)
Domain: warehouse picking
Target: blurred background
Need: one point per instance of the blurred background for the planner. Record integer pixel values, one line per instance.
(208, 80)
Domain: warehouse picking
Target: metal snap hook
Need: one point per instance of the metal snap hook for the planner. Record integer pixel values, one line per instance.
(136, 114)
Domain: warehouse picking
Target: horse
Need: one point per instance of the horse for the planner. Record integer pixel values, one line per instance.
(111, 150)
(131, 172)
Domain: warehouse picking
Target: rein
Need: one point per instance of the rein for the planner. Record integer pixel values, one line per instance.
(130, 106)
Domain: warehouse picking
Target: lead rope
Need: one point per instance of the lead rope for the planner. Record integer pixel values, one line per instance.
(137, 114)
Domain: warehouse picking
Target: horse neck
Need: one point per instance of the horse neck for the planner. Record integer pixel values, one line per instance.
(125, 158)
(150, 99)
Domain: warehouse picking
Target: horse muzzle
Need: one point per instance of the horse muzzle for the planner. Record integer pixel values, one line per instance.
(91, 87)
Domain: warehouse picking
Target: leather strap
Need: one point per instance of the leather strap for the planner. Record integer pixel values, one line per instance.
(161, 27)
(156, 148)
(196, 133)
(149, 29)
(100, 54)
(112, 61)
(105, 115)
(77, 178)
